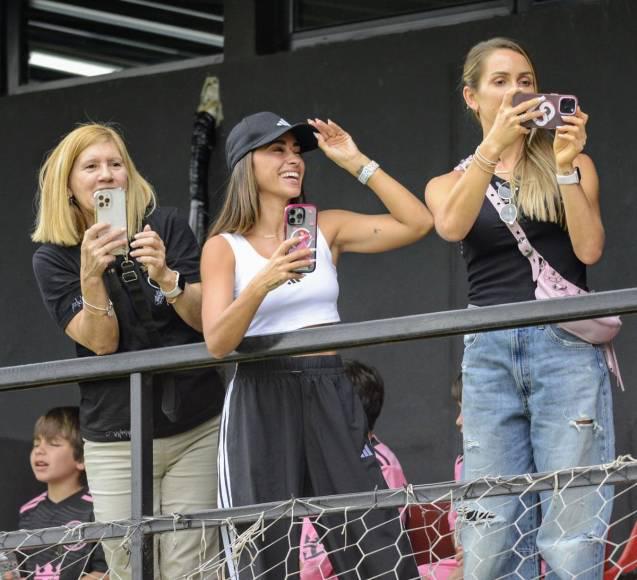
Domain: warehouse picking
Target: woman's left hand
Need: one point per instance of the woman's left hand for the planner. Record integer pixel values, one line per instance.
(149, 250)
(337, 144)
(570, 139)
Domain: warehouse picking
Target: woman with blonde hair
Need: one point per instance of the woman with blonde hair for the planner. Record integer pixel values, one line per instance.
(534, 398)
(156, 303)
(293, 426)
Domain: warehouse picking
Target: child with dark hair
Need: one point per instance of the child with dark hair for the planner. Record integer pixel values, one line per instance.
(57, 459)
(370, 388)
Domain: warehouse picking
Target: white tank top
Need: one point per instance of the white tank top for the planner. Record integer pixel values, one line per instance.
(296, 304)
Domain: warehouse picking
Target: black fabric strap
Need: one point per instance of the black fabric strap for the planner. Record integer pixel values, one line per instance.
(146, 332)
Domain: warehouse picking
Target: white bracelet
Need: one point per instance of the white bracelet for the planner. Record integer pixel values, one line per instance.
(570, 178)
(108, 310)
(367, 171)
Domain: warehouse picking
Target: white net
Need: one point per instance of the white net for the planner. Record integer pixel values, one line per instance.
(569, 524)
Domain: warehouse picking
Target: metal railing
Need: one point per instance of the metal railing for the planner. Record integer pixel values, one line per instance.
(142, 364)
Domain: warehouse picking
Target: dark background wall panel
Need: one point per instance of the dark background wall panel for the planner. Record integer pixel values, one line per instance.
(398, 95)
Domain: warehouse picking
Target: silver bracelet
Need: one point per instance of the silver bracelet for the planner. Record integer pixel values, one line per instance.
(367, 171)
(108, 310)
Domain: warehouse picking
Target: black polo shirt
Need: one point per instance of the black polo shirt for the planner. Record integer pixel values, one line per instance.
(105, 404)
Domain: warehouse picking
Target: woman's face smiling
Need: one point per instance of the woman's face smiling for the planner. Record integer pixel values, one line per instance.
(99, 166)
(502, 70)
(279, 167)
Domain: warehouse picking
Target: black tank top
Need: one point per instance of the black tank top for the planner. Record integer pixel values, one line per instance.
(498, 273)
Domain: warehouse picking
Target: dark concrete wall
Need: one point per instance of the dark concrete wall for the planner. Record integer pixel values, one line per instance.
(398, 96)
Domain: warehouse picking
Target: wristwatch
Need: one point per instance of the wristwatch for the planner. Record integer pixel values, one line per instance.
(570, 178)
(180, 284)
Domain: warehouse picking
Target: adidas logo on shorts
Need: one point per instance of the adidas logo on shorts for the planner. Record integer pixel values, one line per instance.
(367, 451)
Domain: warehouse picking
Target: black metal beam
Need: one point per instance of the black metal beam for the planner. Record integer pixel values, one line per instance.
(14, 49)
(239, 30)
(141, 435)
(419, 326)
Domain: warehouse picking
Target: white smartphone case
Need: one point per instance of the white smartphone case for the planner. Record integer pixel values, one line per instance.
(110, 208)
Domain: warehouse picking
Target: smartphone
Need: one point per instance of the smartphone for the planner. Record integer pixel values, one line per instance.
(301, 223)
(110, 208)
(553, 107)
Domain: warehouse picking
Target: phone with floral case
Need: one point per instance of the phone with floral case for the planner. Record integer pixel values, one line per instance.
(301, 222)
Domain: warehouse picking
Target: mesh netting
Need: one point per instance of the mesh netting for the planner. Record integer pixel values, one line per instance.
(577, 523)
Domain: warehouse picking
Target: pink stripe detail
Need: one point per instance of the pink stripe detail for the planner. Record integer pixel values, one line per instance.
(33, 503)
(87, 497)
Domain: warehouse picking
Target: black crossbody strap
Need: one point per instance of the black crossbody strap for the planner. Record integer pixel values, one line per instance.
(130, 279)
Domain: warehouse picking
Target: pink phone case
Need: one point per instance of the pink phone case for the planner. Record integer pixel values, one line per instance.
(554, 106)
(301, 222)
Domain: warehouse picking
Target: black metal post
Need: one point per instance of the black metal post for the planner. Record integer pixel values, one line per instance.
(14, 45)
(141, 424)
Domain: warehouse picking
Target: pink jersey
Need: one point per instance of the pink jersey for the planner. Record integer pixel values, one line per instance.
(315, 564)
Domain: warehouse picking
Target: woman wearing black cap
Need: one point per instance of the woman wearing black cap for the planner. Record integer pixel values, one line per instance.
(293, 427)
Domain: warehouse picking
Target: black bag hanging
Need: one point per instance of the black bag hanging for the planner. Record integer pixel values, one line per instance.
(123, 275)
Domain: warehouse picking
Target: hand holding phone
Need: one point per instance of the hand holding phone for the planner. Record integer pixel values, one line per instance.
(301, 223)
(553, 106)
(110, 208)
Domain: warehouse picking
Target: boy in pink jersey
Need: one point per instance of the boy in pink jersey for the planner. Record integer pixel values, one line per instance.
(57, 459)
(370, 388)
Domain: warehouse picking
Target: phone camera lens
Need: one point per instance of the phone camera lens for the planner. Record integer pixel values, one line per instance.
(100, 197)
(568, 106)
(101, 204)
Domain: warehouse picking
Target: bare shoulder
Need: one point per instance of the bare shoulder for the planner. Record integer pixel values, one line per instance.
(216, 253)
(440, 186)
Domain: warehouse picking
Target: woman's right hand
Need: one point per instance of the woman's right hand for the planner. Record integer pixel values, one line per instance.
(97, 245)
(507, 126)
(281, 265)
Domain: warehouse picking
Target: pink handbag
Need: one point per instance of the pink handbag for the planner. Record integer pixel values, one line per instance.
(550, 284)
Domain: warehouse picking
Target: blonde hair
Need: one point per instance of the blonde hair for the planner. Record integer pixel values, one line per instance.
(59, 218)
(241, 207)
(534, 173)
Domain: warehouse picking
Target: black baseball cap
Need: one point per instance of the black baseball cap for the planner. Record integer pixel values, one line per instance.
(262, 128)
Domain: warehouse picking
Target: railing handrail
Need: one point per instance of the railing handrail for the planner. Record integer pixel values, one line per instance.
(322, 338)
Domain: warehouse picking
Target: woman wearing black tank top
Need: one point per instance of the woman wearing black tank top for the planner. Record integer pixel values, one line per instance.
(293, 426)
(538, 398)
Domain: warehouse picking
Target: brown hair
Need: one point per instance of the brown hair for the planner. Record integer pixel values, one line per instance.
(534, 173)
(62, 422)
(241, 208)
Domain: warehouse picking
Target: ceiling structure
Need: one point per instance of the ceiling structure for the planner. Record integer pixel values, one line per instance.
(70, 38)
(98, 36)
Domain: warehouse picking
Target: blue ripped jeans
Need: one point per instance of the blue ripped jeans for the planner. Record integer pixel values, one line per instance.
(535, 399)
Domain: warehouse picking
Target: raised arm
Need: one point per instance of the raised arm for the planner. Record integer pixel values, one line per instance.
(149, 249)
(408, 219)
(225, 319)
(581, 200)
(455, 199)
(95, 326)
